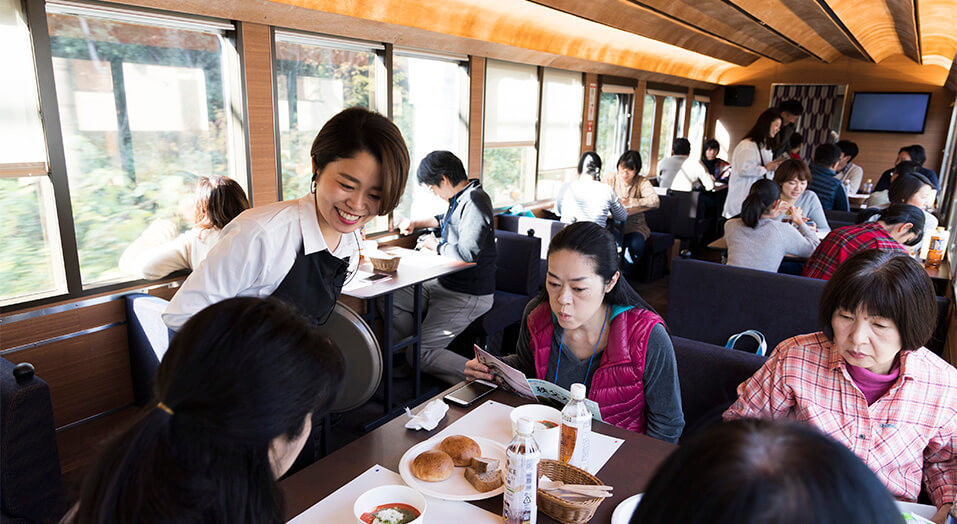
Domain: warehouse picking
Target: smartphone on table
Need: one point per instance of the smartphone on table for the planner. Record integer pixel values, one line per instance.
(470, 392)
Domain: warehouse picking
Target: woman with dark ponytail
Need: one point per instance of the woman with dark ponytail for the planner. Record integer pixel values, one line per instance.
(233, 401)
(590, 326)
(757, 240)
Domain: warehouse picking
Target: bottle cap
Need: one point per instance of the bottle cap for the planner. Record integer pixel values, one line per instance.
(578, 391)
(525, 426)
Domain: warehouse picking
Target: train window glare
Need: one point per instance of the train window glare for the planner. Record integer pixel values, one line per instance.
(699, 116)
(614, 125)
(315, 79)
(21, 133)
(511, 119)
(647, 132)
(560, 141)
(144, 110)
(669, 116)
(430, 107)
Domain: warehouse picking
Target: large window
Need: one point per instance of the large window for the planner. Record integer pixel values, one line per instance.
(561, 130)
(699, 116)
(647, 132)
(316, 78)
(31, 265)
(669, 118)
(430, 106)
(145, 108)
(511, 118)
(614, 124)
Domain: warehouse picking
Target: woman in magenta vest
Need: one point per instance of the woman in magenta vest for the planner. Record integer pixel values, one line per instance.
(590, 326)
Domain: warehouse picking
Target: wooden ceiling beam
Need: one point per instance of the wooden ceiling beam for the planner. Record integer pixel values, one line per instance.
(907, 27)
(935, 29)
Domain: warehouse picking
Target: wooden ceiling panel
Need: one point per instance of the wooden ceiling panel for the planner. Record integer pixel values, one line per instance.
(905, 24)
(783, 18)
(641, 20)
(872, 25)
(938, 37)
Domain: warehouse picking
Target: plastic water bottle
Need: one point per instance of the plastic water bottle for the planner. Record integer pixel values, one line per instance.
(520, 500)
(576, 430)
(868, 186)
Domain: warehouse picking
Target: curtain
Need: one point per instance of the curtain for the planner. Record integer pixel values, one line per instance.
(815, 123)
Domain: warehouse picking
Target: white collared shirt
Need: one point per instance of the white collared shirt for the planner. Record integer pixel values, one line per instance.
(255, 252)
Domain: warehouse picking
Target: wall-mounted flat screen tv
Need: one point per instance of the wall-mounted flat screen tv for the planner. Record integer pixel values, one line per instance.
(889, 112)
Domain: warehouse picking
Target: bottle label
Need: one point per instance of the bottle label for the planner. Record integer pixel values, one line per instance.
(521, 488)
(575, 439)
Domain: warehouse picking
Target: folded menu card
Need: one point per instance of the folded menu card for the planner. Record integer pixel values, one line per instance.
(337, 507)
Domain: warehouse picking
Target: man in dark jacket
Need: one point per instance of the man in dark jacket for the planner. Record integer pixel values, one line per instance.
(453, 301)
(791, 111)
(824, 179)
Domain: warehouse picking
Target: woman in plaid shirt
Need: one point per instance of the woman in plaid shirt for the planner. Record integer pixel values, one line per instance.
(867, 381)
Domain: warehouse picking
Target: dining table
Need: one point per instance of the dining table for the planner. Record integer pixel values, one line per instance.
(629, 468)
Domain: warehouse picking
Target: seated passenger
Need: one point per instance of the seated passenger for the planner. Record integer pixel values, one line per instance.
(590, 326)
(234, 399)
(916, 190)
(453, 301)
(824, 180)
(850, 173)
(916, 154)
(159, 251)
(887, 229)
(757, 240)
(679, 172)
(636, 193)
(587, 199)
(867, 381)
(881, 197)
(794, 146)
(719, 169)
(793, 177)
(764, 472)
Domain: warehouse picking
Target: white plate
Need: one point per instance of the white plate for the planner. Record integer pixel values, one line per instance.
(625, 509)
(455, 487)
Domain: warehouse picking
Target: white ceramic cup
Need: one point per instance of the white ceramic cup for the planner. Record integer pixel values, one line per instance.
(376, 497)
(547, 439)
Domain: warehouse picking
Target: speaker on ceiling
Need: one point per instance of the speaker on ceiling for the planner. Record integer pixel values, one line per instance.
(738, 95)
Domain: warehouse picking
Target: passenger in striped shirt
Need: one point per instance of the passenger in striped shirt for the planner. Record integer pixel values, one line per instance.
(867, 381)
(587, 199)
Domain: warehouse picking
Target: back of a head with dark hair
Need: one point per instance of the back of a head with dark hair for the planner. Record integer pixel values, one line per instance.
(795, 107)
(765, 472)
(596, 243)
(827, 155)
(887, 284)
(905, 186)
(792, 168)
(682, 146)
(897, 214)
(848, 148)
(438, 165)
(761, 198)
(239, 374)
(795, 141)
(219, 199)
(916, 153)
(590, 163)
(760, 133)
(355, 130)
(907, 167)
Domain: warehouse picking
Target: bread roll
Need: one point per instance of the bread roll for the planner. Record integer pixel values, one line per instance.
(483, 481)
(484, 465)
(432, 466)
(461, 448)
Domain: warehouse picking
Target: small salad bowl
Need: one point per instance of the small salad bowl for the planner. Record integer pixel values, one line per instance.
(376, 500)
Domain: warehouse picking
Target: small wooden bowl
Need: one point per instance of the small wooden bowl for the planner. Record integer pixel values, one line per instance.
(388, 264)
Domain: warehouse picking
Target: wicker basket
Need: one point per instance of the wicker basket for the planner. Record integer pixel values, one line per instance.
(558, 508)
(387, 264)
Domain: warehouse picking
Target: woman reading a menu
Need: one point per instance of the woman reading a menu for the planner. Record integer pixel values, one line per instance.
(590, 326)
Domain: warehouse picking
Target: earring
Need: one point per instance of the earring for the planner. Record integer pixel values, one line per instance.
(312, 188)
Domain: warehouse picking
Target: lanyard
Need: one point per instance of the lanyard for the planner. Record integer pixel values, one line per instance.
(448, 215)
(562, 341)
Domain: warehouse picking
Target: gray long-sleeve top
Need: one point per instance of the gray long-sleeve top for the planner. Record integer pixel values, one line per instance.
(763, 247)
(663, 416)
(468, 235)
(811, 208)
(589, 200)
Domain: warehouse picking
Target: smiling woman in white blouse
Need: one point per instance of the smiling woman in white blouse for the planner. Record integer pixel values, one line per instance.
(752, 159)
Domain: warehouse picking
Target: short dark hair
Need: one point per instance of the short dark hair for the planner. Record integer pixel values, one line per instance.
(762, 196)
(916, 153)
(763, 472)
(219, 199)
(630, 159)
(790, 169)
(827, 155)
(355, 130)
(711, 143)
(905, 186)
(590, 162)
(760, 133)
(438, 165)
(796, 140)
(848, 148)
(239, 374)
(795, 107)
(886, 284)
(907, 167)
(682, 146)
(897, 214)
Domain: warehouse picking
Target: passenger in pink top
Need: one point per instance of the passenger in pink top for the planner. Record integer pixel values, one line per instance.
(867, 381)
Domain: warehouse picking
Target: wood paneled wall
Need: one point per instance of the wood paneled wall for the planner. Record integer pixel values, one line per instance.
(260, 128)
(877, 150)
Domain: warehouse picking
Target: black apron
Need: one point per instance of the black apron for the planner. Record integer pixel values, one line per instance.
(313, 284)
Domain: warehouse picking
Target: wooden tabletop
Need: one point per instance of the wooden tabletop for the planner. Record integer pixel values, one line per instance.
(628, 470)
(414, 267)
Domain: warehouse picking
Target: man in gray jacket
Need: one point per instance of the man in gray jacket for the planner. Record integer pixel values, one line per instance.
(452, 302)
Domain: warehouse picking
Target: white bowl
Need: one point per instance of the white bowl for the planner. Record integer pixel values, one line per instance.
(547, 438)
(376, 497)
